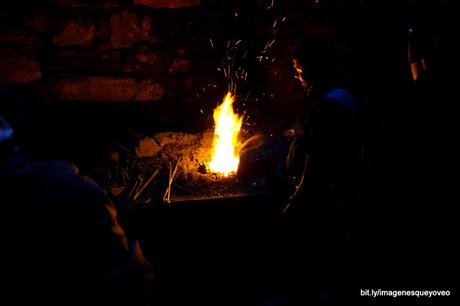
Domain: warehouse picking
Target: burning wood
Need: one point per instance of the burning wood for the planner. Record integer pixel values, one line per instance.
(216, 163)
(225, 155)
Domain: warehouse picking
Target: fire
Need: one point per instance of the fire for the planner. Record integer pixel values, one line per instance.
(225, 157)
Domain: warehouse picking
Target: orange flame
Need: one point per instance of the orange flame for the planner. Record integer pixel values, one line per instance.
(225, 157)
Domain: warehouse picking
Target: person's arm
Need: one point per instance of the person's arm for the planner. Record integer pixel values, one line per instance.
(96, 246)
(318, 158)
(298, 149)
(124, 268)
(297, 161)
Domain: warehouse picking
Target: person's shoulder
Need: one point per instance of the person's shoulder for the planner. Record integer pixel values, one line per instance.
(339, 99)
(55, 182)
(65, 176)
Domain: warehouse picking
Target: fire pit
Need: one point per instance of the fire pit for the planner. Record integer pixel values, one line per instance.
(176, 167)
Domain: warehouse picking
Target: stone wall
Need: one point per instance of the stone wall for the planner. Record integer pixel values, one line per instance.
(107, 51)
(151, 65)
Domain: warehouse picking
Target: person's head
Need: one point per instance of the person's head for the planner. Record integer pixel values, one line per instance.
(314, 62)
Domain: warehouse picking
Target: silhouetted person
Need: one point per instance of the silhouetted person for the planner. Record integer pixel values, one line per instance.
(62, 241)
(324, 154)
(323, 162)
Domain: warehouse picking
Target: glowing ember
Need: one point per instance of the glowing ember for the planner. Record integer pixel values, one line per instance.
(225, 157)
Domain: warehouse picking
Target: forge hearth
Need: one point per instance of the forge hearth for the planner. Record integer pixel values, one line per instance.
(170, 167)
